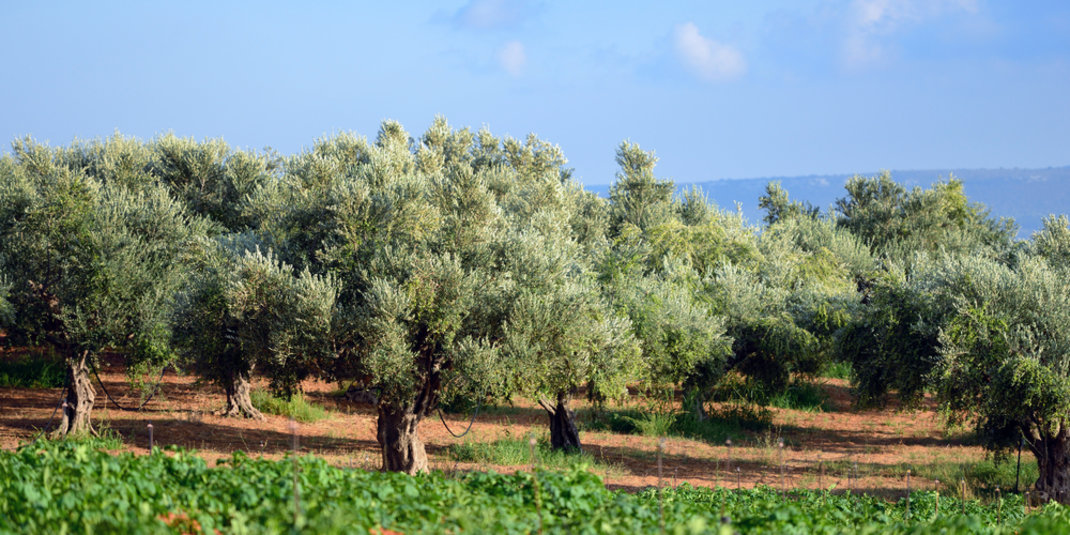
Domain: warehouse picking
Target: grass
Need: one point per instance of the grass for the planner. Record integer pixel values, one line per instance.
(837, 370)
(982, 478)
(105, 439)
(32, 371)
(517, 452)
(731, 421)
(802, 396)
(297, 407)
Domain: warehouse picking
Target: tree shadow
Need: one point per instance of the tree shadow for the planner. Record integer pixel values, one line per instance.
(197, 434)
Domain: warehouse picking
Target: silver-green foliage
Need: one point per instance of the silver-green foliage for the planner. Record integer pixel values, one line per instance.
(92, 265)
(1005, 353)
(434, 242)
(678, 335)
(898, 223)
(247, 310)
(560, 334)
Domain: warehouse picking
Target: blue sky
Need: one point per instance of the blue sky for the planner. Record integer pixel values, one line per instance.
(717, 88)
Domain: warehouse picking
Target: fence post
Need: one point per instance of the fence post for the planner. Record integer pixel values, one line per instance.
(780, 460)
(728, 462)
(963, 485)
(999, 506)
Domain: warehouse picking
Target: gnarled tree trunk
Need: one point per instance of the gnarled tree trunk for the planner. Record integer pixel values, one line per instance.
(239, 402)
(1053, 462)
(564, 435)
(403, 451)
(80, 396)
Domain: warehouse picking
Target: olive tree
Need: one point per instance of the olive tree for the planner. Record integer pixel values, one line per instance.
(247, 311)
(892, 341)
(1004, 362)
(785, 309)
(988, 338)
(92, 266)
(560, 334)
(213, 179)
(637, 197)
(682, 342)
(767, 344)
(653, 272)
(416, 234)
(900, 223)
(426, 320)
(778, 206)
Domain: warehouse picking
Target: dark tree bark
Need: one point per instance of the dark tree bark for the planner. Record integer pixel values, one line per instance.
(1053, 462)
(403, 451)
(700, 406)
(564, 435)
(400, 415)
(80, 396)
(239, 402)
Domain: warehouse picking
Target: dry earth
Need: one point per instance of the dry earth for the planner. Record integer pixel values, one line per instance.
(819, 447)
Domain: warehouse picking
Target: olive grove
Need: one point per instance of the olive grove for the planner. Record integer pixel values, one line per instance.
(456, 266)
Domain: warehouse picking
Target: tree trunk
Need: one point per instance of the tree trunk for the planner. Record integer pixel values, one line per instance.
(563, 432)
(700, 406)
(80, 397)
(239, 402)
(1053, 462)
(403, 451)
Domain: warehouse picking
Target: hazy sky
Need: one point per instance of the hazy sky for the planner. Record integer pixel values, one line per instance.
(717, 88)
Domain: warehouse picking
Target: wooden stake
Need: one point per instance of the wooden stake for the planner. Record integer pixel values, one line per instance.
(963, 482)
(728, 462)
(999, 506)
(937, 499)
(780, 460)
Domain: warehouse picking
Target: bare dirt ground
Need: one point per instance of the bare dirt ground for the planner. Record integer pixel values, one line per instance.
(820, 448)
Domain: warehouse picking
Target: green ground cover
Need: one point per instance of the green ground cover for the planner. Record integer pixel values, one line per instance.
(69, 487)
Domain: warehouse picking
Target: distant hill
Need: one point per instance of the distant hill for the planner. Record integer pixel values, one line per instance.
(1026, 195)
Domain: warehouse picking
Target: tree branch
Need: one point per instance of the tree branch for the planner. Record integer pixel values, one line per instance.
(546, 405)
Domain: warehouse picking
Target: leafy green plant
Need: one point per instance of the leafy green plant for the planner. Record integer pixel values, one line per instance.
(74, 487)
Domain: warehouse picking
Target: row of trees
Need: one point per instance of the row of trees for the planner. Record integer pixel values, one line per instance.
(458, 265)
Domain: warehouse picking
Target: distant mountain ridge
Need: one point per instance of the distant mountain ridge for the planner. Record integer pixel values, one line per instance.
(1026, 195)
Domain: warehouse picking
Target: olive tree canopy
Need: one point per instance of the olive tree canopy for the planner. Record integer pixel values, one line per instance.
(92, 266)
